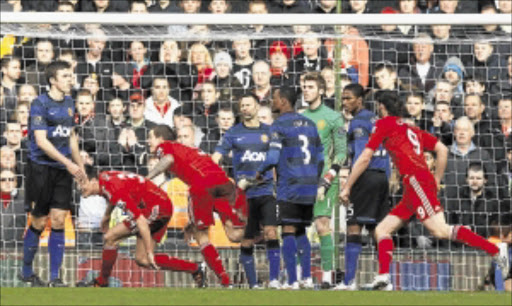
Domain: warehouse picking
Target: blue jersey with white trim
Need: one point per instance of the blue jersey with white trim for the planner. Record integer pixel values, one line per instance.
(297, 152)
(56, 118)
(249, 146)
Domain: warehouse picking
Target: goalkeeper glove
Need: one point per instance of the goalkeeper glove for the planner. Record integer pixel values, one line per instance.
(245, 182)
(326, 181)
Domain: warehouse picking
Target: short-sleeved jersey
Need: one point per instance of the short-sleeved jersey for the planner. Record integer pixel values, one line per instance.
(330, 125)
(297, 150)
(191, 165)
(249, 146)
(56, 118)
(359, 131)
(135, 195)
(405, 143)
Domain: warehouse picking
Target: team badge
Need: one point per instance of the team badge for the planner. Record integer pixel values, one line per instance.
(70, 112)
(264, 138)
(38, 120)
(320, 125)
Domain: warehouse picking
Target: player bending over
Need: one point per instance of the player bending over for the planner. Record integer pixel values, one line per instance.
(148, 209)
(406, 143)
(210, 190)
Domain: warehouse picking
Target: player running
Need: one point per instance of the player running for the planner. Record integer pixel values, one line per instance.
(406, 143)
(210, 190)
(148, 209)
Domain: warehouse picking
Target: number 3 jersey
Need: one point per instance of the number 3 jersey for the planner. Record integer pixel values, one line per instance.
(405, 143)
(297, 151)
(135, 195)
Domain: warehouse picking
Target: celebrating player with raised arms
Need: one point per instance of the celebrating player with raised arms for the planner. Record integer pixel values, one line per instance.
(406, 143)
(210, 190)
(148, 209)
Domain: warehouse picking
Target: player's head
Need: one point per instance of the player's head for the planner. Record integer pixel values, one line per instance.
(91, 186)
(388, 104)
(249, 106)
(159, 134)
(352, 98)
(314, 87)
(283, 99)
(59, 76)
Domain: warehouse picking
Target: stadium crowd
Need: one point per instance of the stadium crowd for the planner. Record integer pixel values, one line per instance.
(455, 82)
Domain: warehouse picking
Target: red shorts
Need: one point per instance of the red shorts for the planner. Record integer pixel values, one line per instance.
(241, 207)
(157, 227)
(420, 197)
(204, 200)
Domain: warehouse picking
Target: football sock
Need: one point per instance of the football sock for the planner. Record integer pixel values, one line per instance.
(352, 251)
(463, 234)
(108, 259)
(30, 246)
(289, 250)
(56, 245)
(274, 258)
(167, 262)
(385, 246)
(213, 261)
(304, 249)
(326, 252)
(247, 260)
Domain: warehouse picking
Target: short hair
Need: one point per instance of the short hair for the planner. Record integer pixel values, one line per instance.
(423, 38)
(476, 167)
(54, 67)
(356, 89)
(465, 120)
(210, 83)
(249, 95)
(164, 131)
(385, 65)
(390, 101)
(505, 98)
(84, 92)
(91, 172)
(416, 94)
(441, 102)
(6, 60)
(289, 94)
(138, 2)
(474, 95)
(225, 109)
(68, 52)
(474, 78)
(315, 76)
(161, 77)
(66, 3)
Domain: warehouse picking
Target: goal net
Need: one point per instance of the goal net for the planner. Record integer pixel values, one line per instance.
(190, 72)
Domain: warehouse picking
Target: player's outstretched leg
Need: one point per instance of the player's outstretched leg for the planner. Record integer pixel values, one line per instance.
(304, 253)
(30, 246)
(167, 262)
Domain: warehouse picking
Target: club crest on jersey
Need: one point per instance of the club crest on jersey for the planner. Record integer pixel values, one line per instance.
(264, 138)
(320, 124)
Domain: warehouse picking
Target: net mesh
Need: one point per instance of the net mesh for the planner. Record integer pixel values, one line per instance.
(114, 62)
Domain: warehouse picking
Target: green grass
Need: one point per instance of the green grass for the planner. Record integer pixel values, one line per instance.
(152, 296)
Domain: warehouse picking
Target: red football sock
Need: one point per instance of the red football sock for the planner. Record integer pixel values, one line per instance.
(167, 262)
(107, 263)
(465, 235)
(213, 260)
(385, 246)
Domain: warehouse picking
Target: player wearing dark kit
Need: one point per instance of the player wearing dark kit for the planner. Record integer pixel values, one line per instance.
(370, 191)
(53, 161)
(296, 152)
(249, 143)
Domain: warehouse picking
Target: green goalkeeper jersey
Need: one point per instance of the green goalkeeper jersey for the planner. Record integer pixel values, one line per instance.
(330, 125)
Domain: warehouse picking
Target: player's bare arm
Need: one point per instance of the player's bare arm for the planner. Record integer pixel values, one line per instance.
(106, 218)
(50, 150)
(217, 157)
(145, 234)
(75, 151)
(164, 164)
(359, 167)
(441, 161)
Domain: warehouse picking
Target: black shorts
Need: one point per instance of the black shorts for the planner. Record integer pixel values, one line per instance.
(46, 188)
(369, 199)
(262, 212)
(294, 214)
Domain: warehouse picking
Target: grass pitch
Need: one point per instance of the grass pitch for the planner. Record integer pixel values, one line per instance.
(161, 296)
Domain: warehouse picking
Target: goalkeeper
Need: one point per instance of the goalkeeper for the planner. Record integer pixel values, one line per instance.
(330, 126)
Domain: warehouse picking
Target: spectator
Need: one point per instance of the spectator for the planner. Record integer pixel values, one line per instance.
(228, 86)
(160, 106)
(490, 29)
(358, 7)
(454, 71)
(242, 67)
(91, 83)
(190, 6)
(138, 7)
(261, 77)
(35, 73)
(12, 213)
(225, 119)
(474, 85)
(26, 94)
(139, 63)
(462, 152)
(257, 7)
(110, 154)
(207, 107)
(444, 91)
(312, 58)
(476, 206)
(7, 158)
(183, 118)
(186, 136)
(408, 7)
(200, 58)
(330, 82)
(422, 72)
(163, 6)
(13, 137)
(505, 116)
(265, 115)
(325, 7)
(415, 105)
(504, 85)
(90, 127)
(11, 74)
(219, 7)
(505, 7)
(105, 6)
(485, 63)
(442, 123)
(288, 7)
(21, 116)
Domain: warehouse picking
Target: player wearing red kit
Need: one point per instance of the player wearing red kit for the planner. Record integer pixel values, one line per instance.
(148, 209)
(210, 190)
(406, 143)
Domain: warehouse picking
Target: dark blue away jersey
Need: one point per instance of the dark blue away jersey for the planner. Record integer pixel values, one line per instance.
(57, 119)
(359, 132)
(297, 152)
(249, 146)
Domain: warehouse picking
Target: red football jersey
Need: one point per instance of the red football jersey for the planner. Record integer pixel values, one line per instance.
(135, 195)
(191, 165)
(405, 143)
